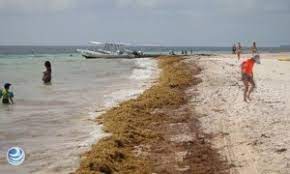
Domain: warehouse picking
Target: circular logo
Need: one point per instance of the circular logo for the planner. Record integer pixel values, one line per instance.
(15, 156)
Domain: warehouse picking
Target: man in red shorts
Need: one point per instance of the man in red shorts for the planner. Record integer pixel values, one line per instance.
(247, 75)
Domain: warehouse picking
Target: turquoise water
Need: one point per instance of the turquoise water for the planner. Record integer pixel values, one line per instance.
(52, 123)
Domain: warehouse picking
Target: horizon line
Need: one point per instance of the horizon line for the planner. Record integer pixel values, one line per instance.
(81, 45)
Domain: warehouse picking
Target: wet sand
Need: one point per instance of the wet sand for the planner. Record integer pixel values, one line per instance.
(253, 137)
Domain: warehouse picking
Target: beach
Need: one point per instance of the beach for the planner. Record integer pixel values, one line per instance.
(144, 87)
(158, 132)
(253, 137)
(195, 120)
(210, 130)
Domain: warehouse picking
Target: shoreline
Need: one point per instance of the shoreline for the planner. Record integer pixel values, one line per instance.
(148, 72)
(139, 130)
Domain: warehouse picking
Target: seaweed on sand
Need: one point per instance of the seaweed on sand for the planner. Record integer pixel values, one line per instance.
(130, 123)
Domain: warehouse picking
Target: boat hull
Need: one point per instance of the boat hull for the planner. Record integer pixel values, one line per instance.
(88, 54)
(106, 56)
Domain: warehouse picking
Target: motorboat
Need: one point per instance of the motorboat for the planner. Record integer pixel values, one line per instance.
(110, 50)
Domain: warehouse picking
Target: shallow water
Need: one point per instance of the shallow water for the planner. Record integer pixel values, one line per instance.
(53, 123)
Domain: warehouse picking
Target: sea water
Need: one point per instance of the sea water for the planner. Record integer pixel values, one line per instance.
(55, 123)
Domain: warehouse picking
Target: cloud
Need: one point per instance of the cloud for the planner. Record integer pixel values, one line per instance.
(216, 7)
(219, 7)
(139, 3)
(36, 5)
(199, 22)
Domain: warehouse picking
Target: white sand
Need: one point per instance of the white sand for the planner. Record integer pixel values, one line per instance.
(254, 137)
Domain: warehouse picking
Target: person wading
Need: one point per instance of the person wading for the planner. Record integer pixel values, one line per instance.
(47, 74)
(6, 95)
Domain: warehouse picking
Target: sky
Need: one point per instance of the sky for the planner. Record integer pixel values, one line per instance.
(148, 22)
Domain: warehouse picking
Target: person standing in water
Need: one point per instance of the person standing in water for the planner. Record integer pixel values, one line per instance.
(254, 49)
(239, 50)
(247, 75)
(6, 95)
(47, 74)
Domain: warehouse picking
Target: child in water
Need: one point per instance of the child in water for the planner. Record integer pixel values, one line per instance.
(6, 95)
(47, 74)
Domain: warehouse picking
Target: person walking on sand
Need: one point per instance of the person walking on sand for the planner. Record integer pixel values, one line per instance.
(6, 95)
(47, 74)
(239, 50)
(254, 49)
(247, 75)
(234, 49)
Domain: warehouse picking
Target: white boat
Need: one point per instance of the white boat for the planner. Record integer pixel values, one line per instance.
(109, 50)
(97, 54)
(112, 50)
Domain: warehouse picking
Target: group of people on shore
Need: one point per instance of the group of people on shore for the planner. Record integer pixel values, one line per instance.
(238, 49)
(247, 68)
(7, 95)
(185, 52)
